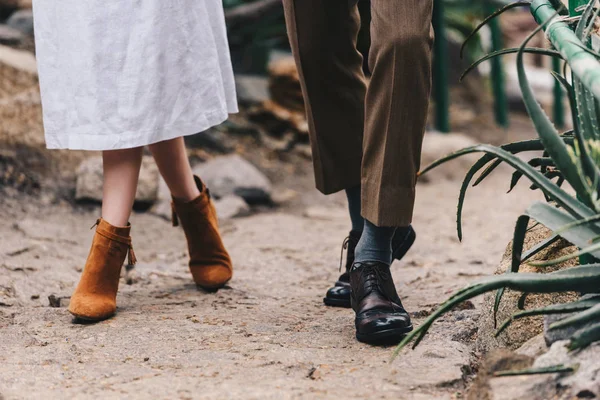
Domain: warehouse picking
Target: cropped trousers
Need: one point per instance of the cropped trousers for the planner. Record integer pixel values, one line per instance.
(366, 133)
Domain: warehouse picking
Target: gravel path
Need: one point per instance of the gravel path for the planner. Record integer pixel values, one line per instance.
(268, 334)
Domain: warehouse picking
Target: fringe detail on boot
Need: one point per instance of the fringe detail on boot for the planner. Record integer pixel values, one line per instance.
(131, 260)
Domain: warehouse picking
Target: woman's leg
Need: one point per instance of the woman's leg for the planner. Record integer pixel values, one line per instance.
(121, 173)
(174, 166)
(95, 297)
(210, 263)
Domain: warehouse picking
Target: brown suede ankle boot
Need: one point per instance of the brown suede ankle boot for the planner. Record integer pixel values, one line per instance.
(95, 297)
(210, 263)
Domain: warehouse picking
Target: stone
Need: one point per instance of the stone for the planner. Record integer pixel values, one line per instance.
(9, 35)
(162, 207)
(210, 140)
(541, 82)
(283, 108)
(18, 71)
(231, 207)
(554, 335)
(483, 387)
(284, 84)
(22, 21)
(90, 176)
(252, 89)
(325, 213)
(534, 347)
(284, 196)
(521, 330)
(13, 4)
(437, 145)
(584, 381)
(304, 150)
(451, 358)
(21, 118)
(59, 301)
(232, 174)
(9, 4)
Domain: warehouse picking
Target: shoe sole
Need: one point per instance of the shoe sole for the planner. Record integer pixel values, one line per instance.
(387, 337)
(83, 318)
(337, 303)
(212, 288)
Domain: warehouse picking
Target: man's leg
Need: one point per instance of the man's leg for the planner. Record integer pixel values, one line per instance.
(323, 37)
(396, 110)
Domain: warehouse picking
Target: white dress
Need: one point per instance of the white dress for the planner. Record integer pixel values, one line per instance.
(118, 74)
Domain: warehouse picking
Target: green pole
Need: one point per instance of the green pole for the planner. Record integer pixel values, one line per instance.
(558, 108)
(498, 88)
(573, 4)
(440, 73)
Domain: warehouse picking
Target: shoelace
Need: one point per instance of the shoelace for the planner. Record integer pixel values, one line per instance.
(373, 277)
(345, 245)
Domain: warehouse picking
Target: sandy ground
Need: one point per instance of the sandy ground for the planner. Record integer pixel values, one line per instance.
(268, 335)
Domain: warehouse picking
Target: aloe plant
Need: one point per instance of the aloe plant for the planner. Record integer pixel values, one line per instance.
(572, 158)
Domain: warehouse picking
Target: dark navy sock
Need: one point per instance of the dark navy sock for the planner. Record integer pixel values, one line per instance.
(375, 244)
(354, 204)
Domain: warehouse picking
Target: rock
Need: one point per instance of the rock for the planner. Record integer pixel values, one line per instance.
(232, 174)
(58, 301)
(131, 274)
(277, 119)
(325, 213)
(252, 89)
(534, 347)
(212, 139)
(496, 361)
(13, 4)
(231, 207)
(555, 335)
(89, 181)
(523, 329)
(18, 71)
(437, 145)
(583, 383)
(9, 35)
(9, 4)
(541, 82)
(530, 387)
(21, 118)
(451, 358)
(283, 109)
(284, 84)
(22, 21)
(304, 150)
(284, 196)
(162, 207)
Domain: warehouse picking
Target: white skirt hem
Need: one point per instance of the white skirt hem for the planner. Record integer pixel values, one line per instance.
(79, 141)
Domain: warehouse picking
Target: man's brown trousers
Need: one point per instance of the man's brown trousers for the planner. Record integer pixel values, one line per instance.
(365, 134)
